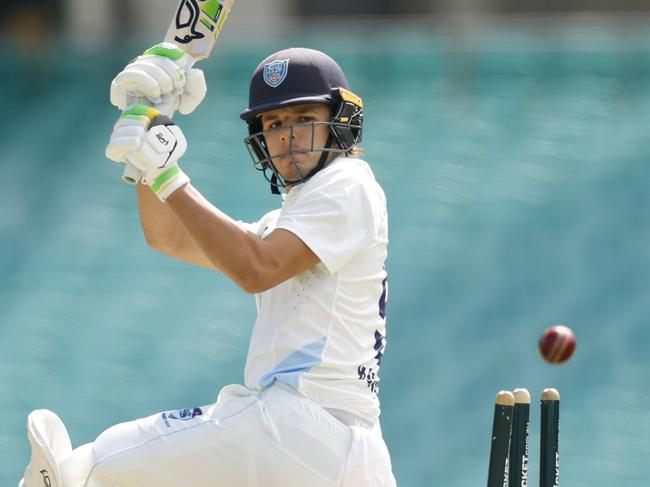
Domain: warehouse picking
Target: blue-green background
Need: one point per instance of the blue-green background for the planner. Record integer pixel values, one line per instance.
(515, 166)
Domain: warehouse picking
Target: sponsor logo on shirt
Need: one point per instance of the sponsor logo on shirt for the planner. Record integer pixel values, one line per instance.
(371, 374)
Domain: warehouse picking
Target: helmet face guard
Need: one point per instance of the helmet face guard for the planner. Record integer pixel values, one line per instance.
(345, 130)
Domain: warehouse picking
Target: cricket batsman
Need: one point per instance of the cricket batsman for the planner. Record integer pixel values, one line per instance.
(308, 412)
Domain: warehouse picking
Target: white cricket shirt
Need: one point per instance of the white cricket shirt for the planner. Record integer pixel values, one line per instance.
(322, 331)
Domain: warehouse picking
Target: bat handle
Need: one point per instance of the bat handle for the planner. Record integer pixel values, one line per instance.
(132, 175)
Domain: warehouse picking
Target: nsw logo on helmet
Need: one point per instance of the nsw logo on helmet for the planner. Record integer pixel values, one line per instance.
(276, 72)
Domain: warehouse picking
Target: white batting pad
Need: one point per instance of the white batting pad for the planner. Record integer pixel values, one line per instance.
(50, 441)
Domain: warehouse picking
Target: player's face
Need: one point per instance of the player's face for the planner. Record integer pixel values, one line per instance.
(294, 138)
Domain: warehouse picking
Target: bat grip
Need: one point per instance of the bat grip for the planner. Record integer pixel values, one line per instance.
(131, 174)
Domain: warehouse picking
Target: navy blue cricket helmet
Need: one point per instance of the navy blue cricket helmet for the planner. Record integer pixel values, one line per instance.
(298, 76)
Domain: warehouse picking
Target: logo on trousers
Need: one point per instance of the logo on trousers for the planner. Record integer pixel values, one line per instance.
(181, 415)
(186, 414)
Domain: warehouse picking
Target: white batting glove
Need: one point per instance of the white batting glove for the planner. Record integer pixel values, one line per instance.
(163, 75)
(151, 142)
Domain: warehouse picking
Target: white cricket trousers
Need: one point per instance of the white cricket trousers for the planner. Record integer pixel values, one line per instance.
(277, 438)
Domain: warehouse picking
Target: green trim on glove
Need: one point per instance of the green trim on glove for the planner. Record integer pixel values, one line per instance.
(164, 177)
(168, 182)
(173, 53)
(137, 111)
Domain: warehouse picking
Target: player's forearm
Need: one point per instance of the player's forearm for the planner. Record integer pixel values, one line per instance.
(156, 220)
(164, 232)
(236, 252)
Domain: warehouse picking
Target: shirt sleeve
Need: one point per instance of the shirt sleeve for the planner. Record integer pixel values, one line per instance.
(260, 227)
(335, 217)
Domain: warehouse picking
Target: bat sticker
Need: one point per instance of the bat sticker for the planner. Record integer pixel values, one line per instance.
(192, 15)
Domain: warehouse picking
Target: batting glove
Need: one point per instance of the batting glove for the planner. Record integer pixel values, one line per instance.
(150, 141)
(163, 75)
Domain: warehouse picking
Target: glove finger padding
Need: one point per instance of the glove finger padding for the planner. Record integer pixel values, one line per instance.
(151, 142)
(163, 74)
(127, 136)
(194, 91)
(169, 74)
(151, 77)
(134, 82)
(121, 146)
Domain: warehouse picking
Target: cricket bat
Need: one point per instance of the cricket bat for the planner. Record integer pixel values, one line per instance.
(194, 28)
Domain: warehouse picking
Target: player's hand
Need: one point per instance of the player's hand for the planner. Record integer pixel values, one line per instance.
(162, 76)
(150, 141)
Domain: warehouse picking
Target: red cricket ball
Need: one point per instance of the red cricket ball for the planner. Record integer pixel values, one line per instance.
(557, 344)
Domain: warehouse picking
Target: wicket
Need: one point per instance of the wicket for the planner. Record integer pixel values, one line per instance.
(509, 447)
